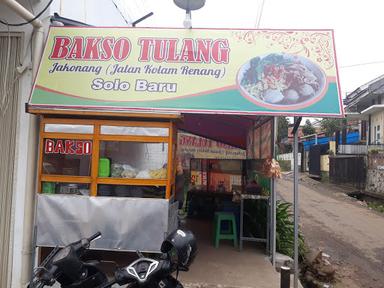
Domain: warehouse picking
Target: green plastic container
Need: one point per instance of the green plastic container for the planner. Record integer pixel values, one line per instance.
(49, 187)
(104, 167)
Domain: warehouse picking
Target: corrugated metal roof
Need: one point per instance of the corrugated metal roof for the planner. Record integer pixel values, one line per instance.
(377, 87)
(365, 90)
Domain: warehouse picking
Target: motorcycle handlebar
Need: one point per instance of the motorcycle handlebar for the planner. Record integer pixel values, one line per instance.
(94, 236)
(122, 277)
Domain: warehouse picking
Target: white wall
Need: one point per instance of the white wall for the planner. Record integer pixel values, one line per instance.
(102, 14)
(377, 119)
(23, 145)
(324, 163)
(289, 157)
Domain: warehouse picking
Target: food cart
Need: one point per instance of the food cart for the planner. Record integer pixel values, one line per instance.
(111, 101)
(96, 173)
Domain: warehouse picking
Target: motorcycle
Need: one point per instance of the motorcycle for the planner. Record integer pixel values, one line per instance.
(67, 268)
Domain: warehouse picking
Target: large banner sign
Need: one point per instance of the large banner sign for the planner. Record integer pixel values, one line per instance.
(270, 72)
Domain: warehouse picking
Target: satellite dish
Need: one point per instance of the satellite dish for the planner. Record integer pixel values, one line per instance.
(189, 5)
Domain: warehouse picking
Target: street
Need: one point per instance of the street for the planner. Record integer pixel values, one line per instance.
(344, 228)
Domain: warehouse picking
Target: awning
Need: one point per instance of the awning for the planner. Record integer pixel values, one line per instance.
(200, 71)
(373, 109)
(228, 129)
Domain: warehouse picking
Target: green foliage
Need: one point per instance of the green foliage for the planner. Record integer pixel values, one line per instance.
(376, 206)
(282, 128)
(282, 133)
(331, 125)
(285, 165)
(324, 176)
(330, 152)
(255, 218)
(308, 128)
(283, 148)
(285, 231)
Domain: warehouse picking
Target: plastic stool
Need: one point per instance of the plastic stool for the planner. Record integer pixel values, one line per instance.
(230, 234)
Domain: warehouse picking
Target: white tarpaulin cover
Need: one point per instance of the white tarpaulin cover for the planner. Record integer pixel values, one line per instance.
(126, 224)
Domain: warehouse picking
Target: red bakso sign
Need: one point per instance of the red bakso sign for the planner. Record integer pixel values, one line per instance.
(68, 147)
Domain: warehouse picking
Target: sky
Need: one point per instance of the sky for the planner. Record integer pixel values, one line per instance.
(358, 26)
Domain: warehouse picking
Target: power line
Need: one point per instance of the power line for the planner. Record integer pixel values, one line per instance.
(259, 14)
(33, 19)
(362, 64)
(122, 14)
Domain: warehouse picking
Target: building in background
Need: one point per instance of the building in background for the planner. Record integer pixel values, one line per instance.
(366, 104)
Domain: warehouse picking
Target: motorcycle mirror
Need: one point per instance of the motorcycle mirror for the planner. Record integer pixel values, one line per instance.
(98, 237)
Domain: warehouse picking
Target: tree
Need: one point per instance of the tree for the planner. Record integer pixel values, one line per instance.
(282, 128)
(331, 125)
(282, 133)
(308, 128)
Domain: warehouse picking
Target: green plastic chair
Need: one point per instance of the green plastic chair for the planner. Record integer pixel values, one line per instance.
(229, 234)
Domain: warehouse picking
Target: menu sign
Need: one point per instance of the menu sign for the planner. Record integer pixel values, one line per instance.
(198, 147)
(273, 72)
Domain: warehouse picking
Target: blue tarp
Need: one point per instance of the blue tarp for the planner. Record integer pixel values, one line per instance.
(352, 137)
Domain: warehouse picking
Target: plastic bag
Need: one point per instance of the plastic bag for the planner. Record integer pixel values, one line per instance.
(144, 174)
(158, 173)
(271, 168)
(123, 171)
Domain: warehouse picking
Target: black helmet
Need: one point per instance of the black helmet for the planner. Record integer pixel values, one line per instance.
(181, 246)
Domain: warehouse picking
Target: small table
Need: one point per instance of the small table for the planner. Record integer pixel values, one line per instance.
(252, 239)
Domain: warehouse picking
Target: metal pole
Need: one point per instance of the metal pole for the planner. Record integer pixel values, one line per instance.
(285, 277)
(141, 19)
(241, 223)
(273, 195)
(367, 137)
(296, 206)
(273, 227)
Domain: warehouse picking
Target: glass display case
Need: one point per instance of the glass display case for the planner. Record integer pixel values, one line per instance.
(138, 160)
(107, 158)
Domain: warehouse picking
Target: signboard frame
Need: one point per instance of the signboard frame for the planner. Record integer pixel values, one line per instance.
(237, 99)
